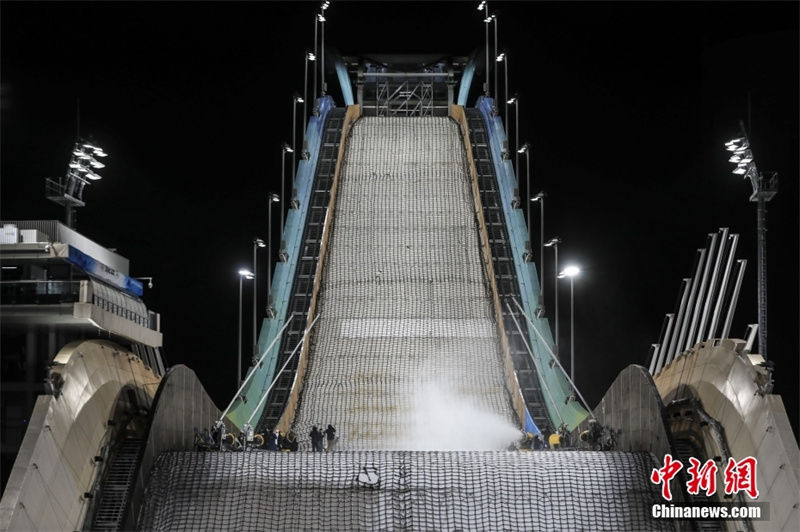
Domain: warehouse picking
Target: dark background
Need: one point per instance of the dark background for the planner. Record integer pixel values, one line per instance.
(627, 106)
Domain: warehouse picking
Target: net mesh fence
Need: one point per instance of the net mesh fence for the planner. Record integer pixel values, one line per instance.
(405, 310)
(402, 490)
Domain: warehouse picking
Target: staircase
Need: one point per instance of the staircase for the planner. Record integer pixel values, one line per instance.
(116, 487)
(505, 272)
(303, 286)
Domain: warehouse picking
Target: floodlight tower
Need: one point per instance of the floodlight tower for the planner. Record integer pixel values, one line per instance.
(81, 171)
(765, 186)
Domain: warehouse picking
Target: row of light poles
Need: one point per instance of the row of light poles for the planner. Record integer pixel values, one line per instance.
(570, 271)
(251, 275)
(286, 148)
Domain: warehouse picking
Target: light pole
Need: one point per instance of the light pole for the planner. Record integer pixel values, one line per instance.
(316, 53)
(484, 6)
(243, 274)
(503, 58)
(571, 272)
(539, 198)
(515, 102)
(321, 18)
(494, 101)
(764, 189)
(553, 243)
(295, 100)
(272, 198)
(526, 149)
(309, 57)
(257, 243)
(285, 148)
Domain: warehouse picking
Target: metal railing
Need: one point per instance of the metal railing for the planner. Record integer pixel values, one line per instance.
(33, 292)
(51, 292)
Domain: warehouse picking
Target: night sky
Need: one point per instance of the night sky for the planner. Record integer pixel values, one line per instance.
(627, 106)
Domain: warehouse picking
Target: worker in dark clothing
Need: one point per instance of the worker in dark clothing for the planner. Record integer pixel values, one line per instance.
(330, 432)
(272, 440)
(292, 439)
(283, 443)
(316, 439)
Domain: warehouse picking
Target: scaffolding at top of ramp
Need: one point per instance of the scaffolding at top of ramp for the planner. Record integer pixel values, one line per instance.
(406, 354)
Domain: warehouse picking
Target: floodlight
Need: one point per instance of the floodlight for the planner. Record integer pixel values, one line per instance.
(569, 271)
(320, 18)
(247, 274)
(740, 170)
(298, 99)
(87, 145)
(512, 101)
(500, 57)
(734, 159)
(555, 241)
(310, 56)
(525, 147)
(93, 176)
(275, 198)
(487, 20)
(100, 153)
(539, 196)
(735, 141)
(287, 148)
(482, 5)
(260, 243)
(747, 159)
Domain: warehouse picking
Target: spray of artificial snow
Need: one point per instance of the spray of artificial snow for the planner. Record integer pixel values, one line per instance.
(444, 419)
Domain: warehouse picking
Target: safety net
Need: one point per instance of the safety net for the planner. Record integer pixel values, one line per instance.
(396, 490)
(406, 353)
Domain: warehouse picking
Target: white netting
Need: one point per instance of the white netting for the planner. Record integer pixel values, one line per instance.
(406, 348)
(390, 490)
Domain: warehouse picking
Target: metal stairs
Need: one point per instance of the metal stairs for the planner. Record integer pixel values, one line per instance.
(503, 261)
(116, 487)
(303, 284)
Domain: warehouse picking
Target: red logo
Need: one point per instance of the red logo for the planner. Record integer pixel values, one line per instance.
(741, 476)
(665, 474)
(704, 477)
